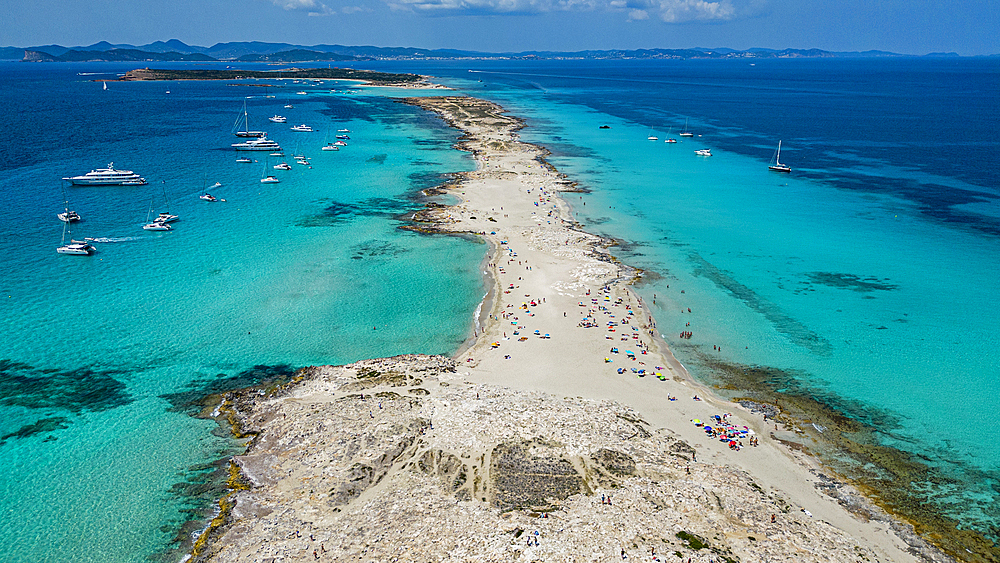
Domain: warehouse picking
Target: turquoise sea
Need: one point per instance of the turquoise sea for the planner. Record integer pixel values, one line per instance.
(864, 280)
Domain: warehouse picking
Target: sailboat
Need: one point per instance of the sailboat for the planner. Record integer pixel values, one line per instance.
(105, 85)
(776, 165)
(165, 216)
(669, 139)
(327, 145)
(78, 247)
(686, 133)
(242, 126)
(265, 178)
(156, 224)
(651, 136)
(67, 216)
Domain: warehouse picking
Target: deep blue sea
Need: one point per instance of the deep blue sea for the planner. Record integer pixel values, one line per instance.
(866, 278)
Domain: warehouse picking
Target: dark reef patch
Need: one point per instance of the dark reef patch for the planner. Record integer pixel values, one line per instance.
(376, 248)
(74, 390)
(850, 281)
(850, 437)
(795, 331)
(40, 427)
(378, 159)
(339, 212)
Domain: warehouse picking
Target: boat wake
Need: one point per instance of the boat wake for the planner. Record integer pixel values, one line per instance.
(113, 239)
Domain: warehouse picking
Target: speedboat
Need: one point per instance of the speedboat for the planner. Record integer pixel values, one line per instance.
(330, 147)
(258, 144)
(269, 180)
(208, 197)
(165, 217)
(244, 159)
(68, 216)
(703, 152)
(282, 166)
(301, 93)
(108, 177)
(343, 130)
(277, 119)
(340, 144)
(302, 128)
(344, 137)
(289, 106)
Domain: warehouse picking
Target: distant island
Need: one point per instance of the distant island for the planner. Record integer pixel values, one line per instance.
(255, 51)
(369, 76)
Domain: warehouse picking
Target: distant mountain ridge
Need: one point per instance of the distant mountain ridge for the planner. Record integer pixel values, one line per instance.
(247, 51)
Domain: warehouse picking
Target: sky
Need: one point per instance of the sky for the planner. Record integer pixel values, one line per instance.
(967, 27)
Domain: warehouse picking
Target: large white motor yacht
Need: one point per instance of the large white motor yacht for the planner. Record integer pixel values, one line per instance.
(259, 144)
(108, 177)
(302, 128)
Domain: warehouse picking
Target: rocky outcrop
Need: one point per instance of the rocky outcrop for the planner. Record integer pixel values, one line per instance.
(400, 459)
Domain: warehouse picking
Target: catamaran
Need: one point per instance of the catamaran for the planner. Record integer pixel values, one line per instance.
(776, 164)
(78, 247)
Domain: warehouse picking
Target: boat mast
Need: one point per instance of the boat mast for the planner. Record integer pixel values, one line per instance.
(777, 159)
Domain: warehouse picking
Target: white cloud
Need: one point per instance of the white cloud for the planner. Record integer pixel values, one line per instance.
(671, 11)
(354, 9)
(636, 15)
(313, 7)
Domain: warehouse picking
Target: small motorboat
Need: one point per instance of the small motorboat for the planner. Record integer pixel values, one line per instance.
(289, 106)
(282, 166)
(343, 137)
(277, 119)
(340, 144)
(269, 180)
(244, 159)
(208, 197)
(343, 130)
(302, 128)
(703, 152)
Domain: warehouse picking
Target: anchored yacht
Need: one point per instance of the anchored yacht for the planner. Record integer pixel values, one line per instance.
(258, 144)
(108, 177)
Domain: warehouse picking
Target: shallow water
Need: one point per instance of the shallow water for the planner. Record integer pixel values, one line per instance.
(312, 270)
(867, 276)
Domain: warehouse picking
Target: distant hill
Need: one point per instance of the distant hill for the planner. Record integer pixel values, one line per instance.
(112, 55)
(258, 51)
(296, 56)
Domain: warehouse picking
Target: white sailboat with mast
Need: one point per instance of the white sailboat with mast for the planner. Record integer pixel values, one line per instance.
(686, 133)
(242, 126)
(77, 247)
(776, 164)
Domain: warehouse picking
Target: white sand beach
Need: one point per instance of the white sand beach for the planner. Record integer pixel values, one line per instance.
(567, 375)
